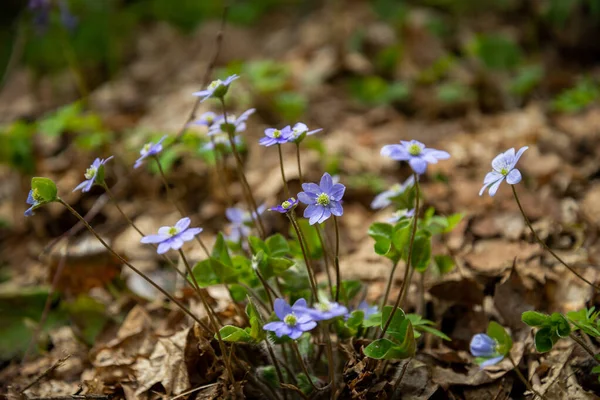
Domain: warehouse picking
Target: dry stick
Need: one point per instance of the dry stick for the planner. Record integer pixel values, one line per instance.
(285, 185)
(295, 389)
(193, 390)
(240, 171)
(303, 366)
(46, 310)
(584, 346)
(211, 317)
(338, 281)
(409, 270)
(46, 372)
(522, 378)
(545, 246)
(311, 276)
(134, 269)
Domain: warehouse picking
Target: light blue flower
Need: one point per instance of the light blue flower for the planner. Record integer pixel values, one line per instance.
(415, 152)
(383, 199)
(485, 347)
(149, 149)
(293, 322)
(276, 136)
(324, 310)
(503, 168)
(172, 237)
(91, 175)
(217, 88)
(323, 199)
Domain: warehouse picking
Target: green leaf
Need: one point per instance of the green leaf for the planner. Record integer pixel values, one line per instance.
(534, 318)
(355, 320)
(497, 332)
(230, 333)
(277, 246)
(421, 324)
(443, 264)
(560, 324)
(276, 266)
(544, 340)
(452, 220)
(421, 254)
(256, 245)
(349, 290)
(256, 323)
(220, 251)
(373, 320)
(382, 233)
(88, 315)
(384, 349)
(396, 323)
(433, 331)
(44, 188)
(401, 236)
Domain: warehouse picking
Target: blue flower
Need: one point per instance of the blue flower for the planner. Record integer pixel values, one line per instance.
(485, 347)
(300, 131)
(172, 237)
(368, 310)
(217, 88)
(398, 215)
(276, 136)
(323, 200)
(92, 175)
(415, 152)
(293, 323)
(221, 141)
(384, 199)
(324, 310)
(206, 119)
(238, 123)
(34, 200)
(241, 222)
(149, 149)
(503, 168)
(286, 206)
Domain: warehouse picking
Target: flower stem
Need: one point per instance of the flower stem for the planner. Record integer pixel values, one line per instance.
(584, 346)
(211, 317)
(277, 367)
(285, 185)
(303, 365)
(137, 271)
(114, 200)
(338, 281)
(299, 165)
(325, 258)
(166, 184)
(545, 246)
(389, 285)
(525, 381)
(408, 270)
(240, 171)
(330, 360)
(303, 244)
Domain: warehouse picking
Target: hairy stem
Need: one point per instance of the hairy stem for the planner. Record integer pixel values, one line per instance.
(338, 281)
(302, 241)
(388, 288)
(408, 271)
(299, 164)
(303, 365)
(545, 246)
(285, 185)
(326, 259)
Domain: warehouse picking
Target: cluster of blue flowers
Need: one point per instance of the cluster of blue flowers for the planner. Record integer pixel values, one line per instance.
(286, 134)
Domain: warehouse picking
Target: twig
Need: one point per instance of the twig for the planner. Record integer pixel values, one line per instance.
(74, 397)
(46, 373)
(194, 390)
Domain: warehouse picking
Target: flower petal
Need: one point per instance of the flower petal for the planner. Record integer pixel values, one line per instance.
(491, 361)
(235, 214)
(163, 247)
(281, 308)
(336, 208)
(495, 186)
(183, 223)
(272, 326)
(315, 216)
(337, 191)
(295, 333)
(418, 165)
(153, 239)
(513, 177)
(326, 183)
(325, 216)
(518, 155)
(492, 177)
(307, 326)
(382, 200)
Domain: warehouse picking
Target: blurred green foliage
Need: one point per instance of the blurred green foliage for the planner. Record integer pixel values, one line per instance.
(584, 93)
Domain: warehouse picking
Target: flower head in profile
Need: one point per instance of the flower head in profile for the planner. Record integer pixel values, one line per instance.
(300, 131)
(276, 136)
(221, 141)
(286, 206)
(384, 199)
(398, 215)
(324, 310)
(293, 322)
(485, 349)
(234, 124)
(34, 200)
(503, 167)
(217, 88)
(94, 174)
(149, 149)
(172, 237)
(206, 119)
(415, 152)
(368, 310)
(241, 222)
(323, 199)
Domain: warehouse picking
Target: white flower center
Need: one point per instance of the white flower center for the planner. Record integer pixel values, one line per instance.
(504, 171)
(286, 204)
(215, 84)
(414, 149)
(277, 133)
(173, 231)
(290, 320)
(90, 172)
(146, 148)
(323, 199)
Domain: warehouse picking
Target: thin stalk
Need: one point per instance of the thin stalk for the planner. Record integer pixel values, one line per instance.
(240, 171)
(325, 258)
(525, 381)
(389, 285)
(220, 169)
(114, 200)
(545, 246)
(277, 367)
(134, 269)
(167, 188)
(285, 185)
(399, 379)
(303, 365)
(311, 276)
(299, 165)
(256, 296)
(338, 279)
(409, 270)
(267, 288)
(584, 345)
(330, 360)
(211, 317)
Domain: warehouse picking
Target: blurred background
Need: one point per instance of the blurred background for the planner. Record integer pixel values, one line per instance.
(91, 78)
